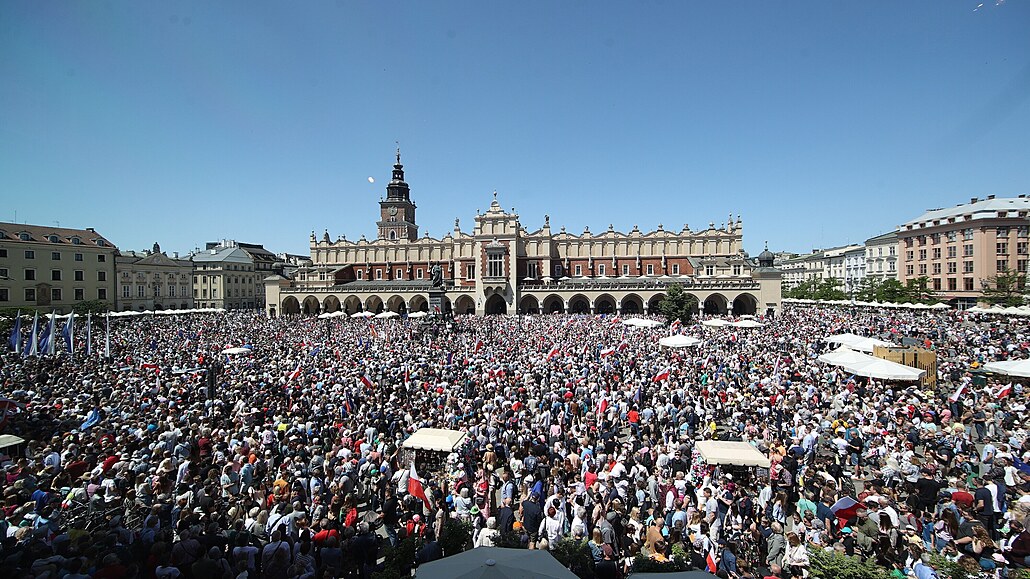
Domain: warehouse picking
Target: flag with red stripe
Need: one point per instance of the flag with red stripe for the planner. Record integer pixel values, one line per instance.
(416, 487)
(366, 381)
(661, 376)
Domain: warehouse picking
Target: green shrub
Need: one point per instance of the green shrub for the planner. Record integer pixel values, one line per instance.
(833, 565)
(455, 536)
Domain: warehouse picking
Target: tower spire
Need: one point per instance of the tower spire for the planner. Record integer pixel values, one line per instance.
(398, 143)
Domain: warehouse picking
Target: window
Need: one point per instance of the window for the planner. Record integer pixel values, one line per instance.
(650, 269)
(101, 243)
(55, 294)
(141, 291)
(102, 293)
(3, 273)
(29, 254)
(935, 238)
(78, 257)
(922, 269)
(125, 291)
(400, 273)
(5, 294)
(891, 266)
(379, 274)
(24, 237)
(30, 294)
(55, 275)
(936, 253)
(157, 291)
(3, 253)
(30, 275)
(1003, 265)
(922, 255)
(76, 241)
(579, 270)
(1003, 232)
(360, 274)
(952, 267)
(418, 273)
(909, 270)
(558, 271)
(1021, 265)
(967, 284)
(214, 293)
(1023, 231)
(908, 255)
(937, 269)
(600, 269)
(1003, 248)
(532, 270)
(80, 294)
(495, 265)
(951, 235)
(967, 267)
(194, 293)
(675, 269)
(967, 235)
(625, 269)
(393, 235)
(736, 270)
(952, 252)
(1021, 248)
(893, 250)
(101, 276)
(79, 275)
(203, 279)
(101, 258)
(55, 256)
(967, 250)
(952, 284)
(709, 270)
(470, 271)
(937, 284)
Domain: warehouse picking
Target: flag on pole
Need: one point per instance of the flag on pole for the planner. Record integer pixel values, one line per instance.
(293, 375)
(89, 334)
(607, 352)
(450, 358)
(845, 509)
(554, 352)
(33, 348)
(416, 487)
(479, 346)
(622, 346)
(107, 336)
(710, 562)
(368, 383)
(660, 376)
(91, 419)
(15, 339)
(1003, 391)
(68, 331)
(49, 340)
(675, 326)
(958, 393)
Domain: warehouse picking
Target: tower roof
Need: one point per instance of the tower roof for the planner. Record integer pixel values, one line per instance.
(397, 190)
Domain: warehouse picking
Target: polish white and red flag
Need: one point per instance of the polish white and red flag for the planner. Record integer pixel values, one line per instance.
(661, 376)
(607, 352)
(417, 489)
(1003, 391)
(958, 393)
(554, 352)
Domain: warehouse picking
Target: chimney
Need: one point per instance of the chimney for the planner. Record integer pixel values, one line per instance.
(175, 254)
(91, 230)
(973, 200)
(990, 197)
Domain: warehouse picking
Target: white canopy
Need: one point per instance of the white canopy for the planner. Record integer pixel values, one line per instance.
(679, 341)
(387, 315)
(1019, 368)
(843, 356)
(735, 453)
(438, 439)
(362, 315)
(885, 370)
(642, 323)
(747, 324)
(418, 314)
(236, 351)
(715, 323)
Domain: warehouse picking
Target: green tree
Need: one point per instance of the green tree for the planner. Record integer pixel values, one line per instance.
(90, 307)
(891, 290)
(678, 304)
(1004, 289)
(867, 289)
(917, 291)
(829, 289)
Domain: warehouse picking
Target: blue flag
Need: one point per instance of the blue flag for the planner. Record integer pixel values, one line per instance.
(48, 333)
(15, 339)
(32, 348)
(69, 329)
(91, 419)
(315, 351)
(1022, 466)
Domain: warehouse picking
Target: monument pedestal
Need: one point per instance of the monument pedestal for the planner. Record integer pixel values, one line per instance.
(436, 300)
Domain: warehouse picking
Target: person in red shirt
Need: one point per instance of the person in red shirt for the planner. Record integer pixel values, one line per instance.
(961, 496)
(634, 420)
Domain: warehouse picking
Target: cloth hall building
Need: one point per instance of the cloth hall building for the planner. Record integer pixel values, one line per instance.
(501, 266)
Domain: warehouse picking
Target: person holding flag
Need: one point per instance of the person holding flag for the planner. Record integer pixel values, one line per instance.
(15, 339)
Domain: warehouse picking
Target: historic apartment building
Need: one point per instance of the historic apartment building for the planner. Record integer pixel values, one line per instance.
(53, 268)
(224, 276)
(881, 257)
(501, 266)
(960, 248)
(151, 280)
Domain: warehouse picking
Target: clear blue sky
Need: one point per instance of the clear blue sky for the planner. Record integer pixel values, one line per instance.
(820, 123)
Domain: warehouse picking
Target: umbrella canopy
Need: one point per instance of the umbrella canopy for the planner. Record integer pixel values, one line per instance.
(326, 315)
(678, 341)
(1019, 368)
(418, 314)
(362, 315)
(236, 351)
(729, 452)
(495, 563)
(716, 323)
(885, 370)
(387, 315)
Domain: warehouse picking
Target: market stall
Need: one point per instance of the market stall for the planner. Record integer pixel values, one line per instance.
(741, 460)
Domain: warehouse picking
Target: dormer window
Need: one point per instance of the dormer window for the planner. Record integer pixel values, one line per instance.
(53, 239)
(24, 236)
(76, 241)
(101, 243)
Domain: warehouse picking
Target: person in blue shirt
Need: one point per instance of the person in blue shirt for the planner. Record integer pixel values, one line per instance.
(923, 570)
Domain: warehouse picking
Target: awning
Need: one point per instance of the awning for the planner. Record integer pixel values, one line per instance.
(733, 453)
(9, 440)
(678, 341)
(1020, 368)
(438, 439)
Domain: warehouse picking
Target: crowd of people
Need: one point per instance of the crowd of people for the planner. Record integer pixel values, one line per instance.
(171, 458)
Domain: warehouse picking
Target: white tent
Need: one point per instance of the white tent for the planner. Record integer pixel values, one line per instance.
(387, 315)
(747, 324)
(236, 351)
(735, 453)
(678, 341)
(438, 439)
(362, 315)
(642, 323)
(418, 314)
(1020, 368)
(885, 370)
(843, 356)
(715, 323)
(326, 315)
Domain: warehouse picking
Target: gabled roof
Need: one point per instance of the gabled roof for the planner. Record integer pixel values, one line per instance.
(980, 209)
(230, 254)
(43, 233)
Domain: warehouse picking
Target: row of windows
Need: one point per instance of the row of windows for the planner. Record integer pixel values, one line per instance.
(140, 276)
(229, 280)
(230, 267)
(55, 274)
(56, 294)
(55, 255)
(75, 240)
(967, 267)
(141, 291)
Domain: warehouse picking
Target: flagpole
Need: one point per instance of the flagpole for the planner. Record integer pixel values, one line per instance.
(107, 336)
(89, 334)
